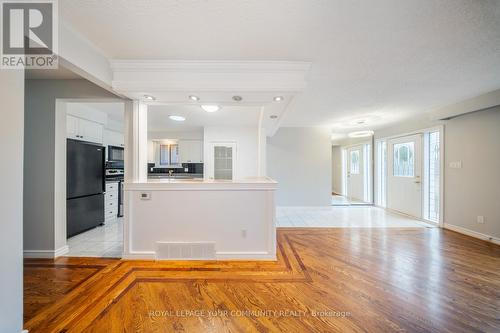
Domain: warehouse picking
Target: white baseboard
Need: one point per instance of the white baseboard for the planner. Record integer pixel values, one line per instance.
(50, 254)
(151, 255)
(472, 233)
(258, 255)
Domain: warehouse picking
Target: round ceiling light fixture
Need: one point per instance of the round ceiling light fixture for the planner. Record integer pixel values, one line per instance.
(177, 118)
(210, 108)
(149, 98)
(360, 134)
(278, 98)
(237, 98)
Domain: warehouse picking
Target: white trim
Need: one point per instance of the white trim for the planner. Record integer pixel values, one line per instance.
(254, 255)
(471, 233)
(46, 253)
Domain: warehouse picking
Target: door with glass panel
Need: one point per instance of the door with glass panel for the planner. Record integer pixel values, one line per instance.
(223, 157)
(355, 174)
(404, 171)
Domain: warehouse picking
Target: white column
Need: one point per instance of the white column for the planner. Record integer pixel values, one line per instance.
(136, 141)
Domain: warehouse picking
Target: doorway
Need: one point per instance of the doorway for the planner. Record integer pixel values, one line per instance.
(408, 174)
(352, 174)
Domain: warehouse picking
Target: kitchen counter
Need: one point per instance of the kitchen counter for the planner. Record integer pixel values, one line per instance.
(200, 183)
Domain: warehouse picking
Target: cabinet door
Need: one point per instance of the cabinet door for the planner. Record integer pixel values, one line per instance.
(185, 151)
(90, 131)
(197, 151)
(72, 127)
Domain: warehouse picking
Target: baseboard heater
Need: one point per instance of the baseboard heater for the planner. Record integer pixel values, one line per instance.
(185, 250)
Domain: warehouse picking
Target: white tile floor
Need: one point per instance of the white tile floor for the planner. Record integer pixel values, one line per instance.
(343, 217)
(103, 241)
(107, 240)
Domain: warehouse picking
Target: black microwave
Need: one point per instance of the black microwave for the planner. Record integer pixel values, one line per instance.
(115, 154)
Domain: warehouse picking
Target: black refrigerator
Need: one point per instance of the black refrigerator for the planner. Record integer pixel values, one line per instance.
(85, 186)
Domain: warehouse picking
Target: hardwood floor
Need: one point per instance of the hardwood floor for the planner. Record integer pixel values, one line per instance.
(325, 280)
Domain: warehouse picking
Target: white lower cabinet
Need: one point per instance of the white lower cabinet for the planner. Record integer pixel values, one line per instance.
(111, 202)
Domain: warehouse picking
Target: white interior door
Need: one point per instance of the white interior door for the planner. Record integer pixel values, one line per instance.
(404, 171)
(355, 173)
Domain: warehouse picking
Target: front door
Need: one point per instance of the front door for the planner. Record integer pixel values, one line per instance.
(355, 174)
(404, 185)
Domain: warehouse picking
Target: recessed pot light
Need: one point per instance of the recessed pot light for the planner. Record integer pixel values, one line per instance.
(177, 118)
(194, 98)
(149, 97)
(360, 134)
(273, 116)
(278, 98)
(210, 108)
(237, 98)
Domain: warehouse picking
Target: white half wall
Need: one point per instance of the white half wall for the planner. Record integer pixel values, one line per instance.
(11, 200)
(300, 160)
(474, 189)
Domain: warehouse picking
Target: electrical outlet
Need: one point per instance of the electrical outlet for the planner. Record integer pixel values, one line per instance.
(186, 169)
(145, 195)
(243, 233)
(480, 219)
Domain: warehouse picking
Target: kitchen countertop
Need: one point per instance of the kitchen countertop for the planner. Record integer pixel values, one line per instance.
(200, 183)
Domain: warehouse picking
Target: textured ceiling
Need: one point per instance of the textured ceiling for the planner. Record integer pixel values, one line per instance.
(378, 61)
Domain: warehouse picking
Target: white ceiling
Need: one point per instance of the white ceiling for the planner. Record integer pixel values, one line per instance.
(158, 117)
(378, 61)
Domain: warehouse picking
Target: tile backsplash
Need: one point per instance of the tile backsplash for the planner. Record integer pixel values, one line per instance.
(196, 168)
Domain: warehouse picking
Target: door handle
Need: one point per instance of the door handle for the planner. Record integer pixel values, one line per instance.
(417, 181)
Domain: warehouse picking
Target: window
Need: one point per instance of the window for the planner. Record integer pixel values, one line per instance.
(164, 155)
(404, 163)
(431, 176)
(354, 162)
(223, 162)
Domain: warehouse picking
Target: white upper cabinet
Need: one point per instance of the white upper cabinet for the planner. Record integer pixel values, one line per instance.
(191, 151)
(72, 127)
(85, 130)
(113, 138)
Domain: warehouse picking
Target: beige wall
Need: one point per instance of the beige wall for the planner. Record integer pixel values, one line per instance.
(473, 190)
(300, 159)
(11, 199)
(40, 154)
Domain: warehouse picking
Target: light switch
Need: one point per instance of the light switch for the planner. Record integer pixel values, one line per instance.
(480, 219)
(456, 165)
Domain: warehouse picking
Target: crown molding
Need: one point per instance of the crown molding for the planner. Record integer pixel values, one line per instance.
(139, 76)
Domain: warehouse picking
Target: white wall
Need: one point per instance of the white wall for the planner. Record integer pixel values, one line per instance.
(247, 150)
(300, 159)
(337, 170)
(40, 154)
(11, 200)
(180, 135)
(473, 190)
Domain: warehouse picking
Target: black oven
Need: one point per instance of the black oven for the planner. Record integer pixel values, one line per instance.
(115, 154)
